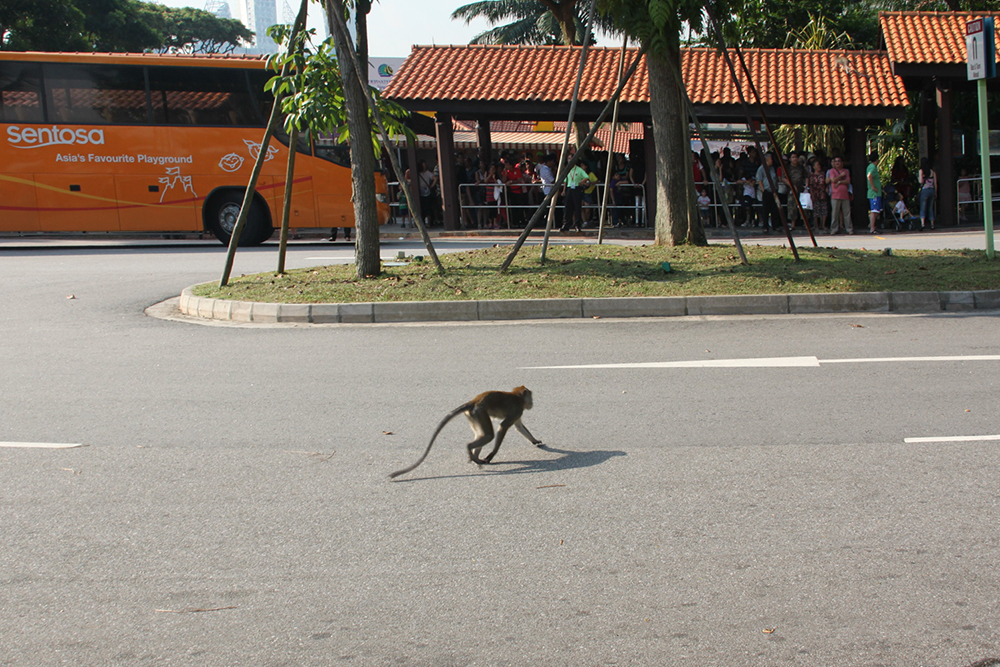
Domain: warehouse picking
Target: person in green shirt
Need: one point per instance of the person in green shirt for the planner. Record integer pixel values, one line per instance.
(874, 191)
(576, 182)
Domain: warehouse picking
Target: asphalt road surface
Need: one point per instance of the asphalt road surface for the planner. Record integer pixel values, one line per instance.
(230, 505)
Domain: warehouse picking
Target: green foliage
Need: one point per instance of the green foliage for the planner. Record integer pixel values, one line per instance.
(113, 25)
(74, 25)
(530, 21)
(313, 94)
(818, 34)
(657, 23)
(190, 30)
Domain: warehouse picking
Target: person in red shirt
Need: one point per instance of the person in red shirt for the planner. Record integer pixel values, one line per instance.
(516, 200)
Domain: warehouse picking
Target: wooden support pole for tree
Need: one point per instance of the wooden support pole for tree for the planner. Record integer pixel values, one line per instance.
(716, 177)
(569, 120)
(342, 27)
(611, 149)
(746, 110)
(286, 207)
(576, 158)
(272, 124)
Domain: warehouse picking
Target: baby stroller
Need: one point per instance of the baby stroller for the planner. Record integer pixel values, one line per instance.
(906, 222)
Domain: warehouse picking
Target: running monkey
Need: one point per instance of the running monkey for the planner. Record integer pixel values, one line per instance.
(507, 406)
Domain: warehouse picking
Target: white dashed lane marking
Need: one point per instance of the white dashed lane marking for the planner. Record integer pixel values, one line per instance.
(953, 438)
(772, 362)
(42, 445)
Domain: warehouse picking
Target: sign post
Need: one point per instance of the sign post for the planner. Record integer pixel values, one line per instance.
(981, 63)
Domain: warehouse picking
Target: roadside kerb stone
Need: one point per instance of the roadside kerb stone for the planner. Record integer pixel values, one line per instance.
(184, 304)
(293, 312)
(357, 312)
(987, 299)
(641, 306)
(242, 311)
(426, 311)
(528, 309)
(849, 302)
(325, 313)
(265, 312)
(739, 304)
(515, 309)
(205, 307)
(914, 302)
(222, 309)
(952, 301)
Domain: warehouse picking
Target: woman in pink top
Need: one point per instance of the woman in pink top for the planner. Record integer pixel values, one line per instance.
(839, 180)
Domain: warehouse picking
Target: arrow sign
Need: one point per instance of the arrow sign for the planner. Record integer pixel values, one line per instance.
(979, 46)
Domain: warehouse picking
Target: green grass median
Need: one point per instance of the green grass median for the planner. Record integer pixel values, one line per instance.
(625, 271)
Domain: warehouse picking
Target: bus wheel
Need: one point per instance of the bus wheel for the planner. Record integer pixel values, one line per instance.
(223, 210)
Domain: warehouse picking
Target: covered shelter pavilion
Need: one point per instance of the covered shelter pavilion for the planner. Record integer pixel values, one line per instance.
(927, 51)
(482, 83)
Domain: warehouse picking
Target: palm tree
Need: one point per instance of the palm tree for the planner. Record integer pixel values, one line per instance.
(545, 22)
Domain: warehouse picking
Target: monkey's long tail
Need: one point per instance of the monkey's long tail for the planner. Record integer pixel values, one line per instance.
(451, 415)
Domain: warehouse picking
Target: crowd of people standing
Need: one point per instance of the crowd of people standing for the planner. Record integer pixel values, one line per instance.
(813, 185)
(504, 193)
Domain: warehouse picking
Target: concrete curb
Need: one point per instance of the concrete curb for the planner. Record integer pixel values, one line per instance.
(530, 309)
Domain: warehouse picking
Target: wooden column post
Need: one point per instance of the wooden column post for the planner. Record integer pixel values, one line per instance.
(859, 164)
(485, 139)
(947, 190)
(446, 170)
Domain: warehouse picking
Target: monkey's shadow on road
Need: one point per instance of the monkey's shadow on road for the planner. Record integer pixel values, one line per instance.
(568, 460)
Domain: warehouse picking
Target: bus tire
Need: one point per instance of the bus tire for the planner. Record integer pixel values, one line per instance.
(222, 210)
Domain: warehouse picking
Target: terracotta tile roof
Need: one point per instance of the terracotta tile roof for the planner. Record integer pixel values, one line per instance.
(928, 37)
(489, 72)
(547, 74)
(831, 78)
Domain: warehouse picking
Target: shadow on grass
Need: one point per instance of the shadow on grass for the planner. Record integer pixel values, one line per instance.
(568, 460)
(818, 270)
(850, 270)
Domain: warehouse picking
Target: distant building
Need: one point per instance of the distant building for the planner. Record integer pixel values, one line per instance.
(258, 16)
(219, 8)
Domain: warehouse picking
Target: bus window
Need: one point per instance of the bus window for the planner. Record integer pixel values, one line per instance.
(328, 149)
(202, 96)
(95, 95)
(20, 93)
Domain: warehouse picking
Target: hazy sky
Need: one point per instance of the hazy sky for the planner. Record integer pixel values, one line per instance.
(393, 25)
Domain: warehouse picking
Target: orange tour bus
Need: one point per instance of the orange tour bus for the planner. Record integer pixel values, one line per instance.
(155, 143)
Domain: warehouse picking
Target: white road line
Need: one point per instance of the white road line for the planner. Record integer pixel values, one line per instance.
(770, 362)
(954, 438)
(776, 362)
(42, 445)
(971, 357)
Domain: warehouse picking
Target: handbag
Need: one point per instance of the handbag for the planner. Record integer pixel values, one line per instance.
(806, 200)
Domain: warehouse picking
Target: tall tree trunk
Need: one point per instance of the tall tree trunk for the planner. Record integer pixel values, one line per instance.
(361, 9)
(673, 153)
(366, 246)
(696, 232)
